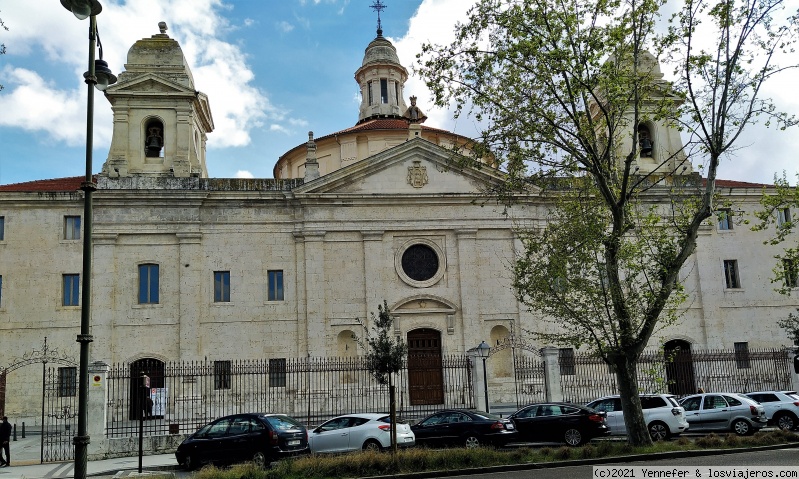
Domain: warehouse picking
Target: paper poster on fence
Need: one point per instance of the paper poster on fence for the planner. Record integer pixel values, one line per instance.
(159, 398)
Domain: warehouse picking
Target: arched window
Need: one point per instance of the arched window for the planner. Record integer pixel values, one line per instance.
(154, 138)
(645, 142)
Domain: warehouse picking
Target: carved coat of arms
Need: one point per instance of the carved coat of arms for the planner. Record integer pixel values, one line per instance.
(417, 174)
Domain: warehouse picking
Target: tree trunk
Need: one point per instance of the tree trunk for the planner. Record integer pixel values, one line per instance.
(393, 415)
(627, 378)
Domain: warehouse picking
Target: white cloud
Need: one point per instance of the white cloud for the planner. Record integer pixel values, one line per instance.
(284, 26)
(199, 27)
(244, 174)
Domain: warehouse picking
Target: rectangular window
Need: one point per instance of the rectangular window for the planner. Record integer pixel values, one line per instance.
(731, 274)
(221, 286)
(275, 279)
(791, 273)
(1, 291)
(71, 227)
(2, 228)
(783, 216)
(396, 92)
(277, 373)
(148, 284)
(725, 219)
(71, 290)
(742, 355)
(369, 91)
(67, 382)
(222, 372)
(566, 361)
(383, 90)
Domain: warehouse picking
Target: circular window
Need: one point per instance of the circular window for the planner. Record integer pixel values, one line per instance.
(420, 263)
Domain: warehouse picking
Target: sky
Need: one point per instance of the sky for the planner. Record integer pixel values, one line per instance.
(272, 69)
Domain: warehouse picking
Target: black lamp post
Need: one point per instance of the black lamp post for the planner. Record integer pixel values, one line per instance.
(99, 76)
(483, 350)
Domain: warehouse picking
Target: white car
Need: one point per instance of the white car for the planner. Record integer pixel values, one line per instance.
(355, 432)
(663, 415)
(724, 412)
(782, 407)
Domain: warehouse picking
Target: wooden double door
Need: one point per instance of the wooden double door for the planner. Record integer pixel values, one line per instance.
(425, 367)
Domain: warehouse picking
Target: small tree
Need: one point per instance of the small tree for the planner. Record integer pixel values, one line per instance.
(384, 357)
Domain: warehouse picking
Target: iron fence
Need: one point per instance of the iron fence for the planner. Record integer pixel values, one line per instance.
(530, 383)
(183, 396)
(584, 377)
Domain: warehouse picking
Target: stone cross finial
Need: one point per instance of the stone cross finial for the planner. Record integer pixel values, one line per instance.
(162, 27)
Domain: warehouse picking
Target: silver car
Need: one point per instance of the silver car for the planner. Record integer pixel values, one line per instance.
(663, 415)
(355, 432)
(723, 412)
(782, 407)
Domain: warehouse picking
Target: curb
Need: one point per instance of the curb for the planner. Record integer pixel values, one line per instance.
(579, 462)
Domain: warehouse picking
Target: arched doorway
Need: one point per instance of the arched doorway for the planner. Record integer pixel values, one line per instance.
(154, 369)
(679, 367)
(425, 367)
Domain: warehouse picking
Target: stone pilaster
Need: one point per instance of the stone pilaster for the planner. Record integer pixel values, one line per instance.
(473, 330)
(315, 292)
(191, 281)
(97, 408)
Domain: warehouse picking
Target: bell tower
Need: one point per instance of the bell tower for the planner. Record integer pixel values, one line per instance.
(160, 120)
(381, 78)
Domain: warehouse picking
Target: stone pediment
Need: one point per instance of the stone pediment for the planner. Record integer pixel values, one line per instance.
(416, 167)
(150, 83)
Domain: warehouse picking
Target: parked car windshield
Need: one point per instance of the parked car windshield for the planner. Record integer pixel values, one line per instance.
(283, 422)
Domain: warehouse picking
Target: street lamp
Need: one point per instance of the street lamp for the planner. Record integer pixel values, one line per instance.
(483, 350)
(99, 76)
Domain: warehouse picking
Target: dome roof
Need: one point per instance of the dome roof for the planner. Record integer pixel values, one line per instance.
(380, 50)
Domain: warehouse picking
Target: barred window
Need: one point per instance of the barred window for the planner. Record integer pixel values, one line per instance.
(742, 355)
(566, 361)
(222, 373)
(277, 373)
(67, 382)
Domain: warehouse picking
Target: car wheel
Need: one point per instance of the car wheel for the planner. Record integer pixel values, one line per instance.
(785, 421)
(471, 441)
(659, 431)
(372, 445)
(573, 437)
(260, 460)
(741, 427)
(189, 463)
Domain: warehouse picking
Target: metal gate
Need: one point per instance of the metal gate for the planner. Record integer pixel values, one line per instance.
(59, 413)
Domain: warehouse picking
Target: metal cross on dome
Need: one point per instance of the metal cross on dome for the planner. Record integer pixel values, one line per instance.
(378, 6)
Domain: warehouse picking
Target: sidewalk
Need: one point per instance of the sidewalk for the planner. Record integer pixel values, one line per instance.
(26, 454)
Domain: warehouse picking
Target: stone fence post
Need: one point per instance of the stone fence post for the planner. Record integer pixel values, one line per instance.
(553, 391)
(98, 409)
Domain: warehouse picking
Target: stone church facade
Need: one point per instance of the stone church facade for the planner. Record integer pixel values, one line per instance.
(189, 267)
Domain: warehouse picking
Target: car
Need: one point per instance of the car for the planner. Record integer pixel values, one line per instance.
(260, 438)
(465, 427)
(559, 422)
(724, 412)
(663, 415)
(354, 432)
(782, 407)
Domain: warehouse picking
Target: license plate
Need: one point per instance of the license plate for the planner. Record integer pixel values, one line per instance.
(508, 426)
(295, 442)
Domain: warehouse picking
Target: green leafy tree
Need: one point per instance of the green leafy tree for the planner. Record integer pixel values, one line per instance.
(780, 207)
(384, 358)
(563, 89)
